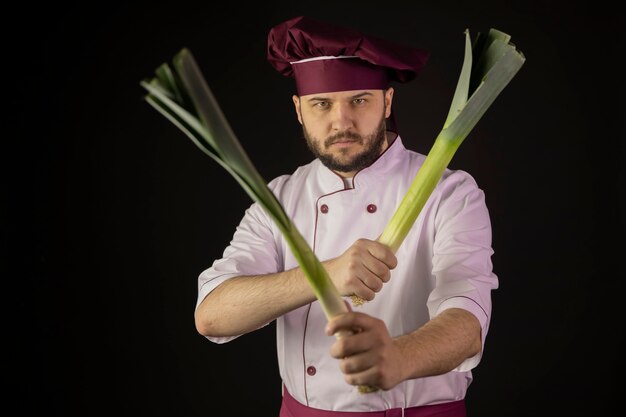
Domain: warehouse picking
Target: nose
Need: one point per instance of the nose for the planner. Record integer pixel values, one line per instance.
(341, 117)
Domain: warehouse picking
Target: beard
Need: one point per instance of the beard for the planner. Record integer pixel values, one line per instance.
(373, 148)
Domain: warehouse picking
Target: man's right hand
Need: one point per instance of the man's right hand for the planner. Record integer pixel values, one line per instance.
(362, 269)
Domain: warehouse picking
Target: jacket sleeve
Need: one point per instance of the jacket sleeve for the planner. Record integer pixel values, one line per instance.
(252, 251)
(462, 255)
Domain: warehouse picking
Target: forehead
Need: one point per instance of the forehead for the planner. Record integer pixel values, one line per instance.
(342, 95)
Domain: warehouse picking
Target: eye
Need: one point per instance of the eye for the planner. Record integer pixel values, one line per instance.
(322, 105)
(359, 101)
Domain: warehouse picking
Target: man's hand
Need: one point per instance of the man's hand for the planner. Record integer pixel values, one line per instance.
(362, 269)
(369, 356)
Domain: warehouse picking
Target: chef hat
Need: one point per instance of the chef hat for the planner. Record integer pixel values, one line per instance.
(325, 58)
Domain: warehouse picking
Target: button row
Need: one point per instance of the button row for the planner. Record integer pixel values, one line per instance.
(371, 208)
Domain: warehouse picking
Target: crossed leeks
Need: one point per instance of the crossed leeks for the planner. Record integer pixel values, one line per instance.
(480, 82)
(184, 98)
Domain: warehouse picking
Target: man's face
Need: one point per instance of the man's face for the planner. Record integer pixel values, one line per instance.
(345, 130)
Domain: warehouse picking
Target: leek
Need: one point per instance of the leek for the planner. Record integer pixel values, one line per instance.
(480, 82)
(184, 97)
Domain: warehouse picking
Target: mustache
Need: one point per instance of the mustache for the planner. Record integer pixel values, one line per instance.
(343, 135)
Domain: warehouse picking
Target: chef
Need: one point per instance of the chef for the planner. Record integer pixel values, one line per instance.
(423, 325)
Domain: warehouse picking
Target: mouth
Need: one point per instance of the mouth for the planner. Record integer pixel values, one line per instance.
(343, 143)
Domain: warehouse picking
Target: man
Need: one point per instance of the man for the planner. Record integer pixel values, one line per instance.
(423, 325)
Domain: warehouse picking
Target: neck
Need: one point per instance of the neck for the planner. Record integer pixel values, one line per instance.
(391, 138)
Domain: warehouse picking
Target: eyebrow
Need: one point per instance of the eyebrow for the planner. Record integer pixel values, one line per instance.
(363, 94)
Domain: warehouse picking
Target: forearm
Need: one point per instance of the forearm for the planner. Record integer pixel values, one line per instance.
(440, 345)
(242, 304)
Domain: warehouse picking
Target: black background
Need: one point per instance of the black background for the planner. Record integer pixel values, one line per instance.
(110, 212)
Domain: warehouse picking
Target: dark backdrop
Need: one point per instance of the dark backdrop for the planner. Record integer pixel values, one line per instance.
(110, 212)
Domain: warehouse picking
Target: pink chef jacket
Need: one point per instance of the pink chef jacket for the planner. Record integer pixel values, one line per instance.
(444, 262)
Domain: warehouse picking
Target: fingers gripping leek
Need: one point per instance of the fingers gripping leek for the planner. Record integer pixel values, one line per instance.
(480, 82)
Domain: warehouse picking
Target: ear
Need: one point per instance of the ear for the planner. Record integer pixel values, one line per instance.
(296, 103)
(388, 100)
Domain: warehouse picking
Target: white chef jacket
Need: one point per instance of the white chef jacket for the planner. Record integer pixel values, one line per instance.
(444, 262)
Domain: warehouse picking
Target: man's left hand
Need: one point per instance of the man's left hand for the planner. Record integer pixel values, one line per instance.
(369, 356)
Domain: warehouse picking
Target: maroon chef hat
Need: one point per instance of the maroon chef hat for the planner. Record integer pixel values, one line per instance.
(324, 58)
